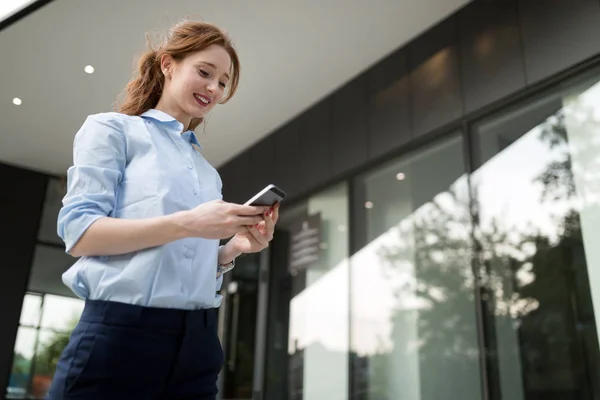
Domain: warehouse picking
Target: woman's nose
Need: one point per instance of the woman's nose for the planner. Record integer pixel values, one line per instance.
(212, 86)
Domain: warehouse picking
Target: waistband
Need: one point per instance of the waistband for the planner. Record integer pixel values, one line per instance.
(114, 313)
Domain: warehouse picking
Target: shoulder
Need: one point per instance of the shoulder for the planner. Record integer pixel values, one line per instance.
(113, 119)
(108, 124)
(103, 130)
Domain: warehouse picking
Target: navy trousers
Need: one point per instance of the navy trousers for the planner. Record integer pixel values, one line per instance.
(121, 351)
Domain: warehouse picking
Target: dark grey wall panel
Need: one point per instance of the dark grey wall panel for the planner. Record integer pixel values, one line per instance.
(244, 187)
(315, 144)
(434, 79)
(228, 178)
(288, 160)
(490, 52)
(389, 117)
(262, 163)
(21, 199)
(349, 125)
(235, 176)
(558, 34)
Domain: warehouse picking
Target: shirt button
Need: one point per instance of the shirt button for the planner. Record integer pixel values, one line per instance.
(190, 167)
(195, 193)
(188, 254)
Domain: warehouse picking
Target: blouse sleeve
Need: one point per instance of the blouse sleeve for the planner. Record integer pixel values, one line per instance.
(99, 159)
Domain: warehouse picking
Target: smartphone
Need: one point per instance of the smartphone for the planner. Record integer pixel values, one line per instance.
(267, 197)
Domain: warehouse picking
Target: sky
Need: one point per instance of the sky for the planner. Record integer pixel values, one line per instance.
(10, 7)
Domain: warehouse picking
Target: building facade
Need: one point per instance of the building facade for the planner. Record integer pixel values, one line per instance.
(453, 189)
(438, 241)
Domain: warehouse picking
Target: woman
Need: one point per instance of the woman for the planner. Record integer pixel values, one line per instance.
(144, 212)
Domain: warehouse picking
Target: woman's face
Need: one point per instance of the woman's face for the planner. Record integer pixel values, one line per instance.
(197, 83)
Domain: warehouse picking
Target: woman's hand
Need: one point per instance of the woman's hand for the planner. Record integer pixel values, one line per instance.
(220, 220)
(255, 238)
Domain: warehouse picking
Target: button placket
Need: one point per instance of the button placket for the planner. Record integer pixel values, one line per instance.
(210, 183)
(191, 155)
(188, 254)
(183, 147)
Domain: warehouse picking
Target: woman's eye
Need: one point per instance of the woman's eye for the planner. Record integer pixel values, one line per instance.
(203, 73)
(222, 84)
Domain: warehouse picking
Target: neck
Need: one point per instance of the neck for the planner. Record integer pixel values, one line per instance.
(174, 112)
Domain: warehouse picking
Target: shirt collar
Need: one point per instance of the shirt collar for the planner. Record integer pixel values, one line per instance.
(172, 124)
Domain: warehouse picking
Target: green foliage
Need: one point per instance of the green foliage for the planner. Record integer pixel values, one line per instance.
(50, 350)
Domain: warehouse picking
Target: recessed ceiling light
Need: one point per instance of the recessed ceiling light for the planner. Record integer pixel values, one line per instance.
(17, 101)
(400, 176)
(369, 205)
(89, 69)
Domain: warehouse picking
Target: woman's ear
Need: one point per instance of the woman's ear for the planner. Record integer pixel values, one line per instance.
(166, 65)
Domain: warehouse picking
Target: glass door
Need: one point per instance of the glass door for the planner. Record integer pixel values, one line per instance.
(307, 351)
(238, 329)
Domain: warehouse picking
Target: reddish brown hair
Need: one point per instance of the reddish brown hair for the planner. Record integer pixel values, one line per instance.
(146, 86)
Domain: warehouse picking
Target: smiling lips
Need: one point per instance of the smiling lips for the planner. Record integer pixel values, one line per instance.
(203, 101)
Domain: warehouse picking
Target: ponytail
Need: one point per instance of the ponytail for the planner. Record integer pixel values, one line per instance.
(144, 90)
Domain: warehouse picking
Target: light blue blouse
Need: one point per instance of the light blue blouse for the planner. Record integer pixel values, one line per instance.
(140, 167)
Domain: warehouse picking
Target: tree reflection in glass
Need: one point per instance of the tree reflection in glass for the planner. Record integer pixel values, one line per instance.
(533, 190)
(543, 341)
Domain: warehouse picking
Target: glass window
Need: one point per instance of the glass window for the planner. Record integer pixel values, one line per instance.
(308, 338)
(61, 313)
(49, 347)
(536, 187)
(20, 374)
(30, 311)
(413, 332)
(46, 324)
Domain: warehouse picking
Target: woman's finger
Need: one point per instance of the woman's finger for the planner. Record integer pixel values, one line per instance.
(269, 228)
(242, 229)
(276, 213)
(262, 226)
(248, 220)
(258, 236)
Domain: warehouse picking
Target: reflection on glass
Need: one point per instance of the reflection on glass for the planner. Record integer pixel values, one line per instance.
(38, 348)
(536, 179)
(61, 313)
(50, 346)
(414, 332)
(30, 312)
(20, 373)
(318, 321)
